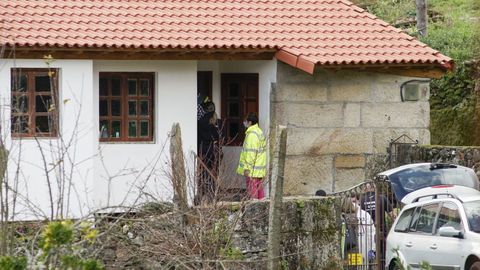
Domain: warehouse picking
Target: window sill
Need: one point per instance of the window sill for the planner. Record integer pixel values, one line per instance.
(131, 142)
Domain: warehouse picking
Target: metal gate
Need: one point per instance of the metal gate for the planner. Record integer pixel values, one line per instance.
(399, 150)
(368, 211)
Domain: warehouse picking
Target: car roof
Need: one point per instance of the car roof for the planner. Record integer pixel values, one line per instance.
(401, 168)
(470, 198)
(416, 165)
(455, 191)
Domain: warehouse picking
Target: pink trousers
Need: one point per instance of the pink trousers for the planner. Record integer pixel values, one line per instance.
(255, 188)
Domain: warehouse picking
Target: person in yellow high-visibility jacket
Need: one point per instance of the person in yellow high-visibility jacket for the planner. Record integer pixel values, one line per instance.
(253, 158)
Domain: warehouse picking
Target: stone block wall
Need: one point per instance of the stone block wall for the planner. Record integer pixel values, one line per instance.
(468, 156)
(310, 233)
(339, 121)
(310, 237)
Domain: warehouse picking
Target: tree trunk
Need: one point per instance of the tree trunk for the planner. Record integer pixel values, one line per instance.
(422, 17)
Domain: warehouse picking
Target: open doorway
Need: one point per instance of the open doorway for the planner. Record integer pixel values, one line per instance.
(239, 96)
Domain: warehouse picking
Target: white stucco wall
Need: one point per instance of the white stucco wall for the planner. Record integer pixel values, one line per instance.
(125, 168)
(103, 174)
(111, 174)
(26, 169)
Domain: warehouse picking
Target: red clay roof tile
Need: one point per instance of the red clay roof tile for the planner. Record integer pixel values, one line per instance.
(305, 33)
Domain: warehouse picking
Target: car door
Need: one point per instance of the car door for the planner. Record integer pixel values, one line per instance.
(416, 245)
(448, 251)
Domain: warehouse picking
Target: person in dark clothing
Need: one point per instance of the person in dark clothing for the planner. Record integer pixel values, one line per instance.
(369, 204)
(208, 137)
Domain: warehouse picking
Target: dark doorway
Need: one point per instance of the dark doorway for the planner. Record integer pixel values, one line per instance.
(204, 84)
(239, 97)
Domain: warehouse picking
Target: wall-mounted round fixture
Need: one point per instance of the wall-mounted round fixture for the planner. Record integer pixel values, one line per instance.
(411, 90)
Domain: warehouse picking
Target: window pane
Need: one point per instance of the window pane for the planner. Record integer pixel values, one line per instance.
(132, 108)
(426, 218)
(252, 90)
(103, 87)
(43, 103)
(404, 221)
(42, 124)
(144, 91)
(144, 107)
(233, 109)
(116, 87)
(132, 87)
(20, 104)
(19, 124)
(449, 217)
(19, 83)
(42, 84)
(103, 128)
(144, 129)
(233, 89)
(116, 129)
(103, 107)
(132, 129)
(116, 107)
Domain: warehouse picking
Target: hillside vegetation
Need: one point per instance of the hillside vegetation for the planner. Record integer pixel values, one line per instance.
(454, 30)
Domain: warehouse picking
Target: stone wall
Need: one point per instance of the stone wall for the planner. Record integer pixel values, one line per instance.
(310, 237)
(339, 122)
(467, 156)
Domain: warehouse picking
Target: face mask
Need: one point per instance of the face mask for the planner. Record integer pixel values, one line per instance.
(245, 124)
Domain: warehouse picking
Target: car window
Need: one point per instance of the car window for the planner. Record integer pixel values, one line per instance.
(426, 218)
(449, 217)
(415, 217)
(411, 179)
(472, 210)
(404, 220)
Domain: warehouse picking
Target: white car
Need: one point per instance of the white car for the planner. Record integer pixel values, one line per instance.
(443, 232)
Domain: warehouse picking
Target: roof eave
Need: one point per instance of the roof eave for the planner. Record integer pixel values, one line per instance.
(423, 70)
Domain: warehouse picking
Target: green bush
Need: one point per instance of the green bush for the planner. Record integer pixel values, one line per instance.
(13, 263)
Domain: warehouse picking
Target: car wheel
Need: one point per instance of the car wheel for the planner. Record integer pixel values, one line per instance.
(475, 266)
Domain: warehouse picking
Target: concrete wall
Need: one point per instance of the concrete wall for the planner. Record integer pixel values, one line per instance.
(97, 174)
(339, 121)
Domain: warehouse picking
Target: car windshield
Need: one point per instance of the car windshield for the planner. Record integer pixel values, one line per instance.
(411, 179)
(472, 210)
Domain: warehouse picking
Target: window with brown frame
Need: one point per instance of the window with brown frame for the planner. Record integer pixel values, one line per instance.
(126, 106)
(34, 106)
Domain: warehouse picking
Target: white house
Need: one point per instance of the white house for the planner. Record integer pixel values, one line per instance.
(88, 127)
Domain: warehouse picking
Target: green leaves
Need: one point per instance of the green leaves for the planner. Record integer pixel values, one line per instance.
(13, 263)
(56, 234)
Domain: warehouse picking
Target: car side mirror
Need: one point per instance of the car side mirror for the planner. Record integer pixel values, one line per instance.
(450, 232)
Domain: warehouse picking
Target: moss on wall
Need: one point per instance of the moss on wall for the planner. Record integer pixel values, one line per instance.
(453, 125)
